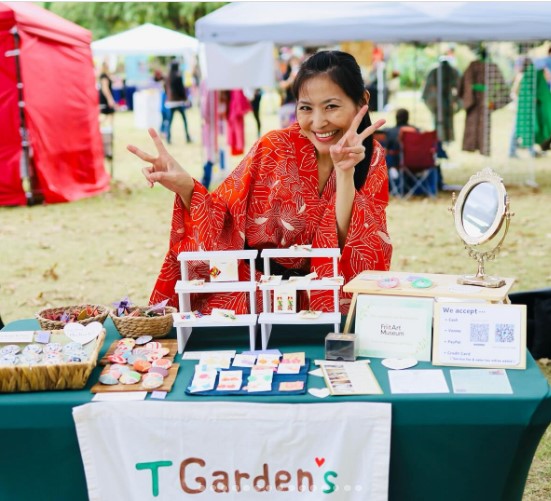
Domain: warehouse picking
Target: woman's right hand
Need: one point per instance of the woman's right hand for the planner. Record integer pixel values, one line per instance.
(165, 170)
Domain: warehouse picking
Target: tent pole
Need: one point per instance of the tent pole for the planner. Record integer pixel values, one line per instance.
(33, 192)
(440, 87)
(381, 85)
(416, 84)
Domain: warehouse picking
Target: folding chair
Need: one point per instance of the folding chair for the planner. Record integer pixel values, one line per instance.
(418, 174)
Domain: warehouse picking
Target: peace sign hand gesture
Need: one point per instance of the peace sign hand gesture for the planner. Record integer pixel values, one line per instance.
(350, 151)
(164, 169)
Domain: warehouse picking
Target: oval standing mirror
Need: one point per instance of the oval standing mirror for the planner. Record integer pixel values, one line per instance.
(479, 212)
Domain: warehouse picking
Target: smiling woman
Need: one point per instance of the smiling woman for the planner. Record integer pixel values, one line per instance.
(322, 181)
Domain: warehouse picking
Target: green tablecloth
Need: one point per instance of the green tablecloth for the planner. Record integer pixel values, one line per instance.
(444, 446)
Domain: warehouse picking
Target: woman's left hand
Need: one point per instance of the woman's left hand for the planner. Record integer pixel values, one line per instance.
(350, 151)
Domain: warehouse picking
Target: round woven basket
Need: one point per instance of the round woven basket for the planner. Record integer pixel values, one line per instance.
(155, 327)
(48, 325)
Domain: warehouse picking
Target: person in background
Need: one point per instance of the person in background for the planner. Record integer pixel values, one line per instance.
(392, 143)
(287, 112)
(321, 181)
(176, 99)
(208, 108)
(237, 107)
(160, 78)
(106, 100)
(393, 147)
(255, 105)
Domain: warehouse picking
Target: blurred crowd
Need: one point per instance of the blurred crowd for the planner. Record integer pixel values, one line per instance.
(479, 89)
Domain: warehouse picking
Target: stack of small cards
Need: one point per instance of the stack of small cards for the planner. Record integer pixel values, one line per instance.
(251, 372)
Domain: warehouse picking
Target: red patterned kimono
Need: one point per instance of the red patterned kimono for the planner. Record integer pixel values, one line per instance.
(271, 200)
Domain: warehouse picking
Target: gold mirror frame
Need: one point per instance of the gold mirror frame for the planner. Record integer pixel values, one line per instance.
(502, 215)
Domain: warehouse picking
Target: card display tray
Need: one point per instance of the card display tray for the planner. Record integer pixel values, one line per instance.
(115, 388)
(277, 379)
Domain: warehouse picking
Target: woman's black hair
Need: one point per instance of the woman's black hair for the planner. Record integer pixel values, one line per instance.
(343, 70)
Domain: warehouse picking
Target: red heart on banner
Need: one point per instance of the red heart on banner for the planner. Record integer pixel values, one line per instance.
(320, 461)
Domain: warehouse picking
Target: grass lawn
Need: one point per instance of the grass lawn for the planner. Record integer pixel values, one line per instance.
(101, 249)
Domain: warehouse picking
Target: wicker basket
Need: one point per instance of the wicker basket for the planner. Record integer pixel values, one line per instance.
(48, 325)
(65, 376)
(155, 327)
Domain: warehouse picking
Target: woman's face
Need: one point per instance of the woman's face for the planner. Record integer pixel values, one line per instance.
(324, 112)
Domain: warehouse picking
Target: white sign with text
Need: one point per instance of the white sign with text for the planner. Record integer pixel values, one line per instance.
(480, 335)
(394, 327)
(238, 451)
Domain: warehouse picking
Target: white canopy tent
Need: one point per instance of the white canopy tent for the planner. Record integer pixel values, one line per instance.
(326, 23)
(147, 39)
(240, 24)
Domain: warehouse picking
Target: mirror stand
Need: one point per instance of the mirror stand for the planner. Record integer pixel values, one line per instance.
(480, 278)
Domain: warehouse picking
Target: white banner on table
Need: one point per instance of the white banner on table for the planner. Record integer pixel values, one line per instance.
(241, 451)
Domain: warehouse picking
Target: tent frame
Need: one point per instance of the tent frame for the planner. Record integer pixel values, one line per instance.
(33, 192)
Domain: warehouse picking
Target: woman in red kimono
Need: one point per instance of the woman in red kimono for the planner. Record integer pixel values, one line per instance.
(322, 181)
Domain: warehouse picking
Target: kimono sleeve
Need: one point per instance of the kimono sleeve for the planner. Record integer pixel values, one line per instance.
(368, 245)
(215, 221)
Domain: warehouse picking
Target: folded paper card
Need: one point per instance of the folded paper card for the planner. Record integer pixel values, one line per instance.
(223, 270)
(350, 378)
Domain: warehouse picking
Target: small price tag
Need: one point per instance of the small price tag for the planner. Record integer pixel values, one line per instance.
(17, 337)
(43, 337)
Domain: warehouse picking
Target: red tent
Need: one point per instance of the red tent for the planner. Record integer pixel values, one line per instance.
(57, 132)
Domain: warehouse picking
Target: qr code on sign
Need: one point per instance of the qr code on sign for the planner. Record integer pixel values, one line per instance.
(505, 333)
(480, 333)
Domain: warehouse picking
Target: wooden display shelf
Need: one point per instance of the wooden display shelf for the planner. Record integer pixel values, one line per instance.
(443, 286)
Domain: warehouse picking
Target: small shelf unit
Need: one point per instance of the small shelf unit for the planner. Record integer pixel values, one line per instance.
(184, 290)
(267, 318)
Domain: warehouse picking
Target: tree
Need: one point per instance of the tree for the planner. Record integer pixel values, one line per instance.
(108, 18)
